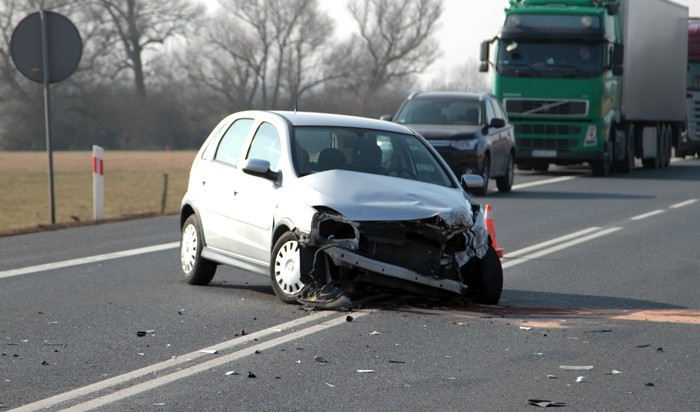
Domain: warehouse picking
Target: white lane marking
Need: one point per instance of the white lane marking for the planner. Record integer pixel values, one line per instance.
(647, 215)
(550, 242)
(682, 204)
(164, 380)
(557, 248)
(189, 357)
(88, 259)
(544, 182)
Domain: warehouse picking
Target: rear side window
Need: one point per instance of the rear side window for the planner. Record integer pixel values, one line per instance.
(231, 144)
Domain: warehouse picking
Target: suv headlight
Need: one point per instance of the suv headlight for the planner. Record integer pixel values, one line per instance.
(464, 144)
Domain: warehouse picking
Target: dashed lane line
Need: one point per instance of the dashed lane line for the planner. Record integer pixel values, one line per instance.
(648, 214)
(545, 182)
(683, 204)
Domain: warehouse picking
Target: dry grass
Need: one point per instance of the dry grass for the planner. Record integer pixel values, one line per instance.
(133, 186)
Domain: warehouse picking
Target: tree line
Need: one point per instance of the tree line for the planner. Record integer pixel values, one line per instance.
(157, 74)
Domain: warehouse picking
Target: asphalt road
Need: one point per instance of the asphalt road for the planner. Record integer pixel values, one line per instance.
(600, 311)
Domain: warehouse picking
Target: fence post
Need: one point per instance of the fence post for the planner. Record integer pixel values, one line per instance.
(98, 183)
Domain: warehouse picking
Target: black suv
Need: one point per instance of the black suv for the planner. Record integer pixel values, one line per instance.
(470, 130)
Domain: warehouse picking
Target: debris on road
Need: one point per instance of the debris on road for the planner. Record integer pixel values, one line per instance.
(365, 370)
(319, 359)
(349, 318)
(330, 385)
(646, 345)
(613, 372)
(648, 384)
(541, 403)
(580, 379)
(229, 373)
(576, 367)
(375, 333)
(526, 328)
(396, 361)
(145, 332)
(251, 375)
(44, 363)
(552, 377)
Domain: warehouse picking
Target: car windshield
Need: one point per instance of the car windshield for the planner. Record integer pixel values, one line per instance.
(317, 149)
(444, 110)
(549, 59)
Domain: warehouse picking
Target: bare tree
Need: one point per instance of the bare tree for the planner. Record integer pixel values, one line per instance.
(264, 53)
(394, 41)
(464, 77)
(135, 26)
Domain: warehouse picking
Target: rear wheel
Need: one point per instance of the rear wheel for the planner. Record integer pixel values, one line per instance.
(286, 268)
(197, 270)
(485, 278)
(505, 183)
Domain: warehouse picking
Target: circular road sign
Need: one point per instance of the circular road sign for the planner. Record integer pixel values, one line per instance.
(64, 47)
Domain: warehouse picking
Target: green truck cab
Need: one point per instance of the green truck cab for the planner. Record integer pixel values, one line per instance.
(597, 82)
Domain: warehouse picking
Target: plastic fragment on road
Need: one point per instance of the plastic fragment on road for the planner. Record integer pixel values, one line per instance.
(375, 333)
(646, 345)
(613, 372)
(330, 385)
(576, 367)
(526, 328)
(209, 351)
(552, 377)
(365, 370)
(580, 379)
(320, 359)
(648, 384)
(396, 361)
(542, 403)
(159, 404)
(229, 373)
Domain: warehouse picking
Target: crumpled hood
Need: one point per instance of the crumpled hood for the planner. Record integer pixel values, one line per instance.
(367, 197)
(445, 131)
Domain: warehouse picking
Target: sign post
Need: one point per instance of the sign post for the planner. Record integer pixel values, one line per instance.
(98, 183)
(46, 48)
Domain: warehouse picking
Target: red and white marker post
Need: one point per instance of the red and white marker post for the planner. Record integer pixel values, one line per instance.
(98, 183)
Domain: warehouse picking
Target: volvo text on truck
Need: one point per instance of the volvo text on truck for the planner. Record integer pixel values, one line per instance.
(597, 82)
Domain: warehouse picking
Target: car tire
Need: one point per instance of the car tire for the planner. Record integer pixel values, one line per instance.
(197, 270)
(485, 278)
(286, 267)
(505, 183)
(485, 174)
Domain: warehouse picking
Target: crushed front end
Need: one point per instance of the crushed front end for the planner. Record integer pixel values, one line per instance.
(418, 256)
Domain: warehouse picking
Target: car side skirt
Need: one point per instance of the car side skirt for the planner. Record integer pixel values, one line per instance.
(239, 262)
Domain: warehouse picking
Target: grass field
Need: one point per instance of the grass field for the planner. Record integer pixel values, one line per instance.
(133, 186)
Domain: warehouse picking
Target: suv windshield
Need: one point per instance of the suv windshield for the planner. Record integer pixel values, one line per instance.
(549, 59)
(318, 149)
(442, 110)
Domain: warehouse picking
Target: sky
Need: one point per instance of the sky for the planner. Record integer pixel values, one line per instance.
(463, 26)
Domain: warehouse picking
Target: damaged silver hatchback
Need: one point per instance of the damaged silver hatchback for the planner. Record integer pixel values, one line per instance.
(362, 203)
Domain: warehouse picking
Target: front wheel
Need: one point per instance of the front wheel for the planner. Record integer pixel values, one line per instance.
(485, 278)
(286, 268)
(505, 183)
(197, 270)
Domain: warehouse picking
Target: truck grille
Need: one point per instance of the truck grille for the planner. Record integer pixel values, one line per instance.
(550, 144)
(545, 107)
(548, 129)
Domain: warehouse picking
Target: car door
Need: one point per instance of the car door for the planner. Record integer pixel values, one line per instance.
(218, 186)
(255, 198)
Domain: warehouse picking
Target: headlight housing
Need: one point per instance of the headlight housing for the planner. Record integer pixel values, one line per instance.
(464, 144)
(591, 136)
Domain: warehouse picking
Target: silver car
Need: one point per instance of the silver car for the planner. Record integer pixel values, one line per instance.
(366, 203)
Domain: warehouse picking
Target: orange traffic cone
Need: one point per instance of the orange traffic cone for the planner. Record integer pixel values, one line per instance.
(492, 230)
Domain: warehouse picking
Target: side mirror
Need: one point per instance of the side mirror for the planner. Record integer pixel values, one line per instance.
(472, 182)
(617, 58)
(259, 168)
(497, 123)
(386, 117)
(484, 56)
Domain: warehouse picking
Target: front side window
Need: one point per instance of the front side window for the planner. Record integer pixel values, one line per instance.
(266, 146)
(230, 146)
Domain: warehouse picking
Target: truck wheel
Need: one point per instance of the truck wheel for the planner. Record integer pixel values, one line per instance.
(627, 164)
(601, 168)
(505, 183)
(485, 278)
(655, 162)
(197, 270)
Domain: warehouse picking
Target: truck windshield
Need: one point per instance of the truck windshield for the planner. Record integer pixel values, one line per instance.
(549, 59)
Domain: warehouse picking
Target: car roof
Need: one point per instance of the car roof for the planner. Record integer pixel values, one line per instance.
(339, 120)
(465, 95)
